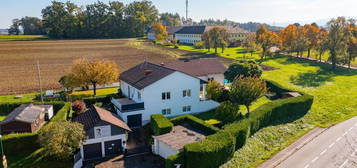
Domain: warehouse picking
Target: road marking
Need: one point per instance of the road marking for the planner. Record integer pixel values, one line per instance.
(338, 139)
(331, 145)
(344, 163)
(345, 133)
(307, 166)
(314, 159)
(323, 152)
(350, 129)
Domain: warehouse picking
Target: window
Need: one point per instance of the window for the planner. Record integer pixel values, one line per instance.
(166, 96)
(211, 79)
(186, 93)
(186, 109)
(166, 111)
(139, 95)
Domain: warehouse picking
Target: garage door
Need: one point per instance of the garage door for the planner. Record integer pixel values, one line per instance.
(92, 151)
(134, 121)
(113, 148)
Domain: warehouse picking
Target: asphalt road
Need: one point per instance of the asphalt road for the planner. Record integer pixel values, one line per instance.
(334, 148)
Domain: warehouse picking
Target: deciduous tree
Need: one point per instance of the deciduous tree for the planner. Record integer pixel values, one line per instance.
(169, 19)
(266, 39)
(289, 38)
(244, 69)
(250, 44)
(160, 31)
(94, 73)
(311, 35)
(61, 139)
(245, 90)
(218, 37)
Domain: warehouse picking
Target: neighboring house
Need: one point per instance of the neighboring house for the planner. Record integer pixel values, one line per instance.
(156, 89)
(4, 31)
(171, 143)
(106, 134)
(193, 34)
(205, 69)
(171, 30)
(26, 118)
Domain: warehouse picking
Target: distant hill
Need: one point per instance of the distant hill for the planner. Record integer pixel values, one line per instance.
(250, 26)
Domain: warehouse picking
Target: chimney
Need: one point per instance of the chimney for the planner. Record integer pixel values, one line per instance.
(147, 72)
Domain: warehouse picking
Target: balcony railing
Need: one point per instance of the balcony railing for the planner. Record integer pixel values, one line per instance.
(127, 105)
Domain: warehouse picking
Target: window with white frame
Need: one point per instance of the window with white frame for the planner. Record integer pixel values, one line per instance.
(166, 111)
(186, 109)
(186, 93)
(166, 96)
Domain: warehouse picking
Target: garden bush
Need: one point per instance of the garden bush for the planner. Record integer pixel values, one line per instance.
(196, 123)
(211, 152)
(243, 68)
(160, 124)
(228, 112)
(199, 45)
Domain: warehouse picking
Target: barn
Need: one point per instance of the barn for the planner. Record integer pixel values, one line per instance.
(26, 118)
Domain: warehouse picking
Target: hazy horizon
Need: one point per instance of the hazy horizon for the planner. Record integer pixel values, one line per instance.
(274, 12)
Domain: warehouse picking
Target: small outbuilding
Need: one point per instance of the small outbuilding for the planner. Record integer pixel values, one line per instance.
(171, 143)
(26, 118)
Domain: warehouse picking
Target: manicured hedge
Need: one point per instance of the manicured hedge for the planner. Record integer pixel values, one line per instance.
(216, 149)
(195, 122)
(93, 100)
(6, 107)
(175, 159)
(160, 124)
(15, 143)
(211, 152)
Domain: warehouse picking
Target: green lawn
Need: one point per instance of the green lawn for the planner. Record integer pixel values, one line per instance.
(22, 37)
(314, 54)
(335, 97)
(12, 98)
(100, 92)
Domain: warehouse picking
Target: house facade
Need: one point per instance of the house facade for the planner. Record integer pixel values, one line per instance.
(106, 134)
(157, 89)
(193, 34)
(26, 118)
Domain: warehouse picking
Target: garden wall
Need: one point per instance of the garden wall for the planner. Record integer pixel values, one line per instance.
(218, 148)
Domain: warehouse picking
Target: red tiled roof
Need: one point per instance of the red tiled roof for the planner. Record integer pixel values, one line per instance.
(198, 67)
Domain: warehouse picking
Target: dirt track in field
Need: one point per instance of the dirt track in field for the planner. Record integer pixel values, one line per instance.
(18, 71)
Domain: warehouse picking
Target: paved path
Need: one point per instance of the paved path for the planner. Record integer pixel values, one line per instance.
(335, 147)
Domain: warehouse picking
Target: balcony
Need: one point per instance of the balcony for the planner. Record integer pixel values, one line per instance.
(127, 105)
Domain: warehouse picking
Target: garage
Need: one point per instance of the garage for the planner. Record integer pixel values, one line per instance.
(134, 121)
(92, 151)
(113, 148)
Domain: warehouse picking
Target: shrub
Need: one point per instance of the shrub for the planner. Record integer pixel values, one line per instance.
(195, 122)
(160, 124)
(214, 90)
(199, 45)
(243, 68)
(228, 112)
(175, 159)
(211, 152)
(78, 107)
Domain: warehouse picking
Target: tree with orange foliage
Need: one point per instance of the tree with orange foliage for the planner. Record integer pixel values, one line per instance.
(289, 37)
(266, 39)
(160, 31)
(321, 46)
(311, 35)
(98, 72)
(352, 42)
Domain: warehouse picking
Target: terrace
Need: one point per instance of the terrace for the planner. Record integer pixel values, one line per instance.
(127, 105)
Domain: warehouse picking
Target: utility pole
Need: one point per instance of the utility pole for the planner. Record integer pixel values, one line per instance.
(186, 10)
(39, 79)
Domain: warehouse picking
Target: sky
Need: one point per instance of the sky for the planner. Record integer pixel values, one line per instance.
(276, 12)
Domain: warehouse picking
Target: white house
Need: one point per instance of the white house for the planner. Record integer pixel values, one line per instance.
(171, 30)
(193, 34)
(158, 89)
(106, 135)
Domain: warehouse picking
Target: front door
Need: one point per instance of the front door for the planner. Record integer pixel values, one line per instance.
(92, 151)
(113, 148)
(134, 121)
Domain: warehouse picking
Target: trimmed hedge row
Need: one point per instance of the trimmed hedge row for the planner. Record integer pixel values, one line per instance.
(160, 124)
(175, 159)
(195, 122)
(216, 149)
(15, 143)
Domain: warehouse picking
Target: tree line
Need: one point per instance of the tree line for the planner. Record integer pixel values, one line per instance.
(339, 39)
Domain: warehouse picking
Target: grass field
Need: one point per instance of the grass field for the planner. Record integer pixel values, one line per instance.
(335, 97)
(22, 37)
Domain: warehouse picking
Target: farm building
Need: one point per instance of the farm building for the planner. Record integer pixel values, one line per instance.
(171, 143)
(26, 118)
(171, 30)
(106, 134)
